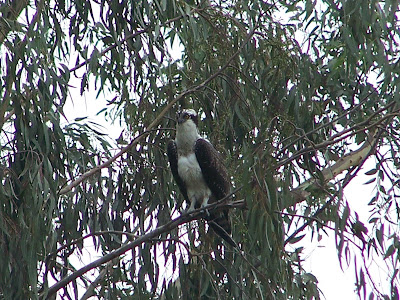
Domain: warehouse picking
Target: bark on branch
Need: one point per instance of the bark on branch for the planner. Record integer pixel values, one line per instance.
(345, 163)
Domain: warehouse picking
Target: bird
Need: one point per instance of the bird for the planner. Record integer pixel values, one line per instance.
(199, 172)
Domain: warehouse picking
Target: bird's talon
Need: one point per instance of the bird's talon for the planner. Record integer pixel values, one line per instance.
(191, 208)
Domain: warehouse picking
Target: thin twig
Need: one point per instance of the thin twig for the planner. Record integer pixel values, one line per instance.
(315, 219)
(338, 137)
(336, 119)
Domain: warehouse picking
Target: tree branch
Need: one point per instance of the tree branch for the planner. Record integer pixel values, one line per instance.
(114, 254)
(184, 218)
(348, 161)
(346, 133)
(345, 163)
(315, 130)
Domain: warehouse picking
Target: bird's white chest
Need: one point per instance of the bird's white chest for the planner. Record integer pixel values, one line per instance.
(189, 169)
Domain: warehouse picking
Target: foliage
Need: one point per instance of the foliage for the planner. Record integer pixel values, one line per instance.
(292, 93)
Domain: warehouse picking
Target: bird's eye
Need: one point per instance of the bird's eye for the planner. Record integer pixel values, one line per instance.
(187, 117)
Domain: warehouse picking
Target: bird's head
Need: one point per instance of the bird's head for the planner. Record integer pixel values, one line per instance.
(187, 115)
(186, 128)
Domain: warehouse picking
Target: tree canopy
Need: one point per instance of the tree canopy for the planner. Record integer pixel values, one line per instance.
(296, 95)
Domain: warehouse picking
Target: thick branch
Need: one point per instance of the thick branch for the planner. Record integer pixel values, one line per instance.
(108, 257)
(345, 163)
(349, 176)
(184, 218)
(90, 290)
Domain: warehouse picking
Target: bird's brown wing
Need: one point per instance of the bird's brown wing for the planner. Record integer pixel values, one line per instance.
(172, 153)
(216, 177)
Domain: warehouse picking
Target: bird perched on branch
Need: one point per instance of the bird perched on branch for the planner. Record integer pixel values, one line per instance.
(199, 172)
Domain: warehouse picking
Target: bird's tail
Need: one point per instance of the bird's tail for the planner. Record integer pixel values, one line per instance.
(219, 222)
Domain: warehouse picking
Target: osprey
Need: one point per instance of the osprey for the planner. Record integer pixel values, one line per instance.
(199, 172)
